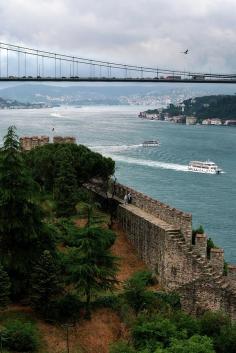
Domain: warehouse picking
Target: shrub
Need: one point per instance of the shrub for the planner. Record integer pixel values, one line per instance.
(199, 230)
(121, 347)
(21, 336)
(186, 322)
(195, 344)
(137, 296)
(226, 341)
(172, 299)
(144, 277)
(211, 323)
(151, 332)
(210, 245)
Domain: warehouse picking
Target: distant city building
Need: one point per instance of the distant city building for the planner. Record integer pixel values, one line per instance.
(150, 116)
(230, 122)
(206, 122)
(216, 121)
(28, 143)
(179, 119)
(191, 120)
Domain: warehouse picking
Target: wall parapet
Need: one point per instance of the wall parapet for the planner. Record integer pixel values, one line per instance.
(158, 209)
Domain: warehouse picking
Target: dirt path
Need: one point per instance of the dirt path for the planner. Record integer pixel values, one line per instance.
(129, 260)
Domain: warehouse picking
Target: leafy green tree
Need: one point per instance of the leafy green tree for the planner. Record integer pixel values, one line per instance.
(153, 331)
(20, 216)
(195, 344)
(91, 265)
(4, 288)
(44, 282)
(45, 160)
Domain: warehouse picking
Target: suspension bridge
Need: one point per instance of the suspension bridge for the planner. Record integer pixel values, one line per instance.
(19, 63)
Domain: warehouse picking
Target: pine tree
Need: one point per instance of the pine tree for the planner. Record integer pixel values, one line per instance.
(65, 185)
(92, 267)
(20, 217)
(44, 282)
(4, 288)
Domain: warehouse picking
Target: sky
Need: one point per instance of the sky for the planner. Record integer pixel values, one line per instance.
(142, 32)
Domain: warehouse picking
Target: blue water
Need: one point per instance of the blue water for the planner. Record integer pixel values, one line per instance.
(159, 172)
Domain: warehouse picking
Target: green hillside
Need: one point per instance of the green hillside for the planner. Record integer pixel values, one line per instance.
(217, 106)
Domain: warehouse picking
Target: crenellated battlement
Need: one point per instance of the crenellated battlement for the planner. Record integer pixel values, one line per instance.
(28, 143)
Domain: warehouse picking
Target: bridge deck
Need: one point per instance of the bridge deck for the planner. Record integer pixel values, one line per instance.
(107, 79)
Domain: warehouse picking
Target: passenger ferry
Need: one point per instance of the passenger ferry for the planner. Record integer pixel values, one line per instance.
(204, 167)
(151, 143)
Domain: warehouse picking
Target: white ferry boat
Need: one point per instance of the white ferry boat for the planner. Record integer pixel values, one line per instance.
(204, 167)
(151, 143)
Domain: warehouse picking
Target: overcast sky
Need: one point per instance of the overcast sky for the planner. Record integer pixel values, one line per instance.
(143, 32)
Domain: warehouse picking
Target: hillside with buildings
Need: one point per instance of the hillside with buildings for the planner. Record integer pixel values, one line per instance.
(206, 110)
(14, 104)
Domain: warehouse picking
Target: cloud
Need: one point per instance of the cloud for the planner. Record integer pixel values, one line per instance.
(143, 32)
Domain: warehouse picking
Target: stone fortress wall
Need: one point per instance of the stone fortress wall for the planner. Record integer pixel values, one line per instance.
(162, 237)
(28, 143)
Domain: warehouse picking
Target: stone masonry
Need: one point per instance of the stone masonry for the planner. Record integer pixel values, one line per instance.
(162, 236)
(28, 143)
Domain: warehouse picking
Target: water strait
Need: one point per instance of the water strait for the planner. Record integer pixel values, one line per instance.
(160, 172)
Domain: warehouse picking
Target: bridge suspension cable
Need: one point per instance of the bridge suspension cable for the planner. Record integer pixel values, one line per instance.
(85, 69)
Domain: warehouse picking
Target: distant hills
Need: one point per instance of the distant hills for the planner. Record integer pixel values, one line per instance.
(109, 94)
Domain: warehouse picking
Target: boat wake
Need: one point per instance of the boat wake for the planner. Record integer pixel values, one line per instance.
(149, 163)
(113, 148)
(56, 115)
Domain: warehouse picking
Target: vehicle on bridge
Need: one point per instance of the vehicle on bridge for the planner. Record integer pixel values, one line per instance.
(198, 77)
(174, 77)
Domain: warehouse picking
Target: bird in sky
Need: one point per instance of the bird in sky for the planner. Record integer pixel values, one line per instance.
(185, 52)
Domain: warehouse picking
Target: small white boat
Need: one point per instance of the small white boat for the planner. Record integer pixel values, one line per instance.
(56, 115)
(151, 143)
(207, 167)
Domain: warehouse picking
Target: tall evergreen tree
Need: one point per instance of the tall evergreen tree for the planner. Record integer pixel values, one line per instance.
(44, 282)
(92, 267)
(65, 186)
(20, 217)
(4, 288)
